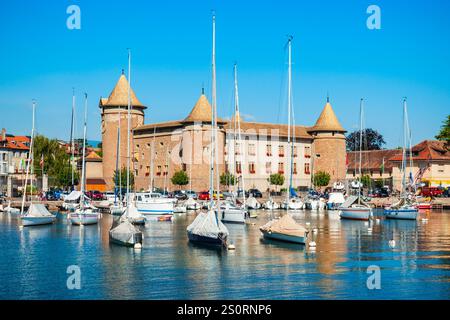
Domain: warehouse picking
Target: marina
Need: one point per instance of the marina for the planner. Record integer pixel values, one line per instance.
(34, 260)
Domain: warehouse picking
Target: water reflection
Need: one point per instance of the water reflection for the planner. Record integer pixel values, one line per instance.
(34, 260)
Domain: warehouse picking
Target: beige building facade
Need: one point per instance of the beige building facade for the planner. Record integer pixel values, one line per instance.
(161, 149)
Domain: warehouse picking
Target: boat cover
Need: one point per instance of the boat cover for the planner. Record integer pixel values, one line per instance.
(284, 225)
(252, 202)
(123, 231)
(207, 225)
(350, 200)
(191, 202)
(38, 210)
(336, 197)
(73, 196)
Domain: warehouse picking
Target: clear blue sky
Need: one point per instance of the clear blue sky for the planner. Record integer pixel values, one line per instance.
(333, 51)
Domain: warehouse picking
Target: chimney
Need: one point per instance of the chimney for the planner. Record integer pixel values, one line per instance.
(3, 136)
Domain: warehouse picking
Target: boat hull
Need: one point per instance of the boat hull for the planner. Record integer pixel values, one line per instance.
(155, 208)
(195, 238)
(36, 221)
(84, 219)
(137, 238)
(233, 216)
(405, 214)
(355, 214)
(284, 237)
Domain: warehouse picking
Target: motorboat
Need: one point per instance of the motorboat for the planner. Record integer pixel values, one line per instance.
(153, 204)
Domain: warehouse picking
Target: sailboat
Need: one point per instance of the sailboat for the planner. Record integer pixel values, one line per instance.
(292, 202)
(85, 214)
(404, 209)
(207, 227)
(231, 213)
(286, 228)
(37, 213)
(354, 208)
(123, 231)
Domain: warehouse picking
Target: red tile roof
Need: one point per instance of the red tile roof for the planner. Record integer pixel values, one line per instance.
(371, 160)
(427, 150)
(16, 143)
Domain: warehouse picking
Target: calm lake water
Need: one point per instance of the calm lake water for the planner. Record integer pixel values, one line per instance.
(34, 261)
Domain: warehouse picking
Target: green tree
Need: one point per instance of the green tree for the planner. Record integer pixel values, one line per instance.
(56, 162)
(444, 134)
(180, 178)
(227, 179)
(365, 180)
(321, 179)
(371, 140)
(121, 177)
(276, 179)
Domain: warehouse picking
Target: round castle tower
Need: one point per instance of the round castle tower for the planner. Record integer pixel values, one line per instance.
(113, 108)
(329, 150)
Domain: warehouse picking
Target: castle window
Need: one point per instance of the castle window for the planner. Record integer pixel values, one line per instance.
(183, 167)
(294, 170)
(251, 149)
(307, 152)
(307, 171)
(161, 143)
(281, 151)
(269, 150)
(166, 170)
(238, 167)
(280, 167)
(294, 151)
(147, 171)
(317, 155)
(238, 149)
(251, 167)
(158, 173)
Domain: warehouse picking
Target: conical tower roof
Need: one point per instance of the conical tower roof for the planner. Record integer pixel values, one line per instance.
(201, 112)
(327, 121)
(119, 95)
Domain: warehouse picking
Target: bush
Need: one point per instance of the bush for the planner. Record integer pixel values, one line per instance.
(321, 179)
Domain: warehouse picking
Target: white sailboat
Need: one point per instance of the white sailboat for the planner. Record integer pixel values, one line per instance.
(286, 228)
(123, 231)
(37, 213)
(357, 210)
(231, 213)
(207, 227)
(85, 214)
(404, 209)
(292, 202)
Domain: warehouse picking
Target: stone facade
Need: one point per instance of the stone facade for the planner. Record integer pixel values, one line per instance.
(161, 149)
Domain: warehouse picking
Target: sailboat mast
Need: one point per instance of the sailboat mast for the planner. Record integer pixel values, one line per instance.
(117, 165)
(216, 138)
(404, 148)
(30, 157)
(238, 121)
(72, 144)
(289, 114)
(128, 129)
(360, 147)
(211, 177)
(83, 166)
(152, 160)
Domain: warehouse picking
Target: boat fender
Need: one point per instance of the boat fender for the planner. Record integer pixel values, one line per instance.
(137, 246)
(312, 244)
(315, 230)
(231, 247)
(392, 243)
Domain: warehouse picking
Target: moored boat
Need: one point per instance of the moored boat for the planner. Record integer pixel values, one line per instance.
(285, 229)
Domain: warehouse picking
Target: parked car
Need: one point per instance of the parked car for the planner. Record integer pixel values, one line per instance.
(180, 194)
(431, 192)
(378, 193)
(255, 193)
(95, 195)
(204, 195)
(52, 195)
(191, 194)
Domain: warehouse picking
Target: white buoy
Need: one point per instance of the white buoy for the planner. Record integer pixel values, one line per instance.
(231, 247)
(424, 219)
(312, 244)
(392, 243)
(315, 230)
(369, 229)
(138, 246)
(366, 223)
(20, 228)
(377, 220)
(307, 223)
